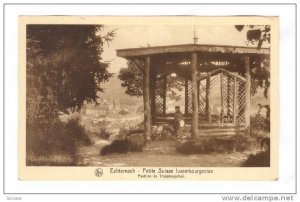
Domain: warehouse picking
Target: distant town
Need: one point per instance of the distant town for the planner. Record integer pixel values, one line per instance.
(109, 113)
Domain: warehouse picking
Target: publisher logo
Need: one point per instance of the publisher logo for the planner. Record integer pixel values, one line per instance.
(98, 172)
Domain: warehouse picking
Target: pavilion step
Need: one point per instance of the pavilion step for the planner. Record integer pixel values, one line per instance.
(217, 130)
(203, 133)
(204, 136)
(220, 127)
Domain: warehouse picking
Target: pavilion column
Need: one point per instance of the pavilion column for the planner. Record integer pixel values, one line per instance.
(146, 98)
(222, 98)
(195, 117)
(198, 94)
(186, 97)
(247, 91)
(235, 107)
(152, 96)
(165, 95)
(208, 99)
(228, 97)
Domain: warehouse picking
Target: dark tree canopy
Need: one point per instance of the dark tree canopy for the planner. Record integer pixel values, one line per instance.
(256, 33)
(260, 76)
(260, 72)
(64, 67)
(132, 79)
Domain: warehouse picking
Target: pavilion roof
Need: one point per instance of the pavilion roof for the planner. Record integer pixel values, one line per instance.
(184, 48)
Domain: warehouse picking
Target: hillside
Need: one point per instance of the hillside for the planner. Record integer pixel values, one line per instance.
(114, 90)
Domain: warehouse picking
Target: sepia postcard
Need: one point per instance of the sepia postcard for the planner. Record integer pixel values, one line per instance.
(148, 98)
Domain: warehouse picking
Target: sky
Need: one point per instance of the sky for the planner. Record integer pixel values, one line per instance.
(134, 36)
(142, 36)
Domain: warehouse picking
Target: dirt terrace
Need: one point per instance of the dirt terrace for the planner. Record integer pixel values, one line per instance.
(160, 153)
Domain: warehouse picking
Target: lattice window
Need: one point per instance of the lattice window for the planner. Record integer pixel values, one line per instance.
(159, 97)
(241, 101)
(228, 95)
(233, 90)
(214, 80)
(189, 97)
(202, 100)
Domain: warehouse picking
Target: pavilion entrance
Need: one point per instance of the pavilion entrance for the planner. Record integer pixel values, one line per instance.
(220, 93)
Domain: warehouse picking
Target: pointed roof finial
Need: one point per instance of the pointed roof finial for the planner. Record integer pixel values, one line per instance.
(195, 36)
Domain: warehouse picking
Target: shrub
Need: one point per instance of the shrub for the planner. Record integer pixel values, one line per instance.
(244, 142)
(124, 112)
(260, 125)
(57, 139)
(261, 159)
(117, 146)
(132, 143)
(104, 134)
(75, 131)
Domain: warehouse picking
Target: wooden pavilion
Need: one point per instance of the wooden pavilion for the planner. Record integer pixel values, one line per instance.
(201, 66)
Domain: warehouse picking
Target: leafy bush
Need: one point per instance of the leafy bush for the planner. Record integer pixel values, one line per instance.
(261, 159)
(260, 124)
(59, 138)
(133, 142)
(124, 112)
(104, 134)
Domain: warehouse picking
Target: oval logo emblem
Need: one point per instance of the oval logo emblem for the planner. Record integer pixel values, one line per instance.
(98, 172)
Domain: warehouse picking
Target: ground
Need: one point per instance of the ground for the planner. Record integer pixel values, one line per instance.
(159, 153)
